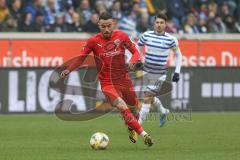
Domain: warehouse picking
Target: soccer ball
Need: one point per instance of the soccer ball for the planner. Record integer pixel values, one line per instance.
(99, 141)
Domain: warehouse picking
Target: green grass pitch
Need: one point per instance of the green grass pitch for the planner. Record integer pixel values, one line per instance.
(207, 136)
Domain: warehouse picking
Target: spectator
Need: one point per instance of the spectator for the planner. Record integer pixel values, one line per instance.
(107, 3)
(212, 10)
(4, 14)
(51, 12)
(143, 24)
(116, 9)
(60, 25)
(158, 6)
(203, 14)
(74, 26)
(191, 26)
(198, 3)
(230, 24)
(100, 7)
(137, 11)
(217, 25)
(72, 19)
(34, 8)
(38, 25)
(16, 10)
(176, 10)
(126, 6)
(84, 12)
(75, 3)
(143, 6)
(171, 26)
(224, 10)
(202, 26)
(27, 25)
(232, 6)
(129, 23)
(92, 25)
(14, 18)
(189, 5)
(66, 5)
(230, 3)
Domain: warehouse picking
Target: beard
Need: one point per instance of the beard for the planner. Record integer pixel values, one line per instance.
(159, 30)
(107, 35)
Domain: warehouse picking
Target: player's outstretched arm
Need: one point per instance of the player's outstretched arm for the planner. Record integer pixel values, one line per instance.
(141, 42)
(79, 60)
(178, 54)
(135, 62)
(64, 73)
(73, 66)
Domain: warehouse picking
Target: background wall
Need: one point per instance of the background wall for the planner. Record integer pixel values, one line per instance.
(209, 78)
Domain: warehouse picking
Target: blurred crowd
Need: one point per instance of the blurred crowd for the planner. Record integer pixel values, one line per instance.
(133, 16)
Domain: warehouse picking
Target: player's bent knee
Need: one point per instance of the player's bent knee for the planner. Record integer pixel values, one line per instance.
(120, 104)
(148, 97)
(149, 94)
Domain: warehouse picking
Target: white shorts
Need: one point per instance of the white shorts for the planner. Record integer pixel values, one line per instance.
(153, 82)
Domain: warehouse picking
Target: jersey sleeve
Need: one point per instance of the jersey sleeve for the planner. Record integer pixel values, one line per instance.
(142, 40)
(178, 54)
(87, 48)
(174, 44)
(132, 48)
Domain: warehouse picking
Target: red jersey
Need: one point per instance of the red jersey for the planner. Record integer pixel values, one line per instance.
(109, 56)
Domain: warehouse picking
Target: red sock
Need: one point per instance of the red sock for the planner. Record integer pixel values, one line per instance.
(131, 121)
(137, 116)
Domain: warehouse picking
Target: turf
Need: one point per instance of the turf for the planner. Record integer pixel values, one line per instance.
(206, 136)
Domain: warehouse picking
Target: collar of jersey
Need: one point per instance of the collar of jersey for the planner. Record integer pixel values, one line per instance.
(159, 34)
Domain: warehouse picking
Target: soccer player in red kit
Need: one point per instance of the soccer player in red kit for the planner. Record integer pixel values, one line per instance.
(108, 48)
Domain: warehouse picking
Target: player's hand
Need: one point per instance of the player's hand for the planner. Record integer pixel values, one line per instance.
(135, 66)
(64, 73)
(131, 66)
(175, 77)
(138, 65)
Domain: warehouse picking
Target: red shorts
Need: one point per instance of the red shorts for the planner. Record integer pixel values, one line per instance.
(112, 92)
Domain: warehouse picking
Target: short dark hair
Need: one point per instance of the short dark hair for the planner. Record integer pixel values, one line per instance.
(162, 16)
(105, 16)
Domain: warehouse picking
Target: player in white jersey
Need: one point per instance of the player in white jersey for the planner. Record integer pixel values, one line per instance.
(158, 44)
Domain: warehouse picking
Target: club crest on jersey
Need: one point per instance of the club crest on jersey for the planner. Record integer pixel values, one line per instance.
(117, 42)
(110, 46)
(114, 47)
